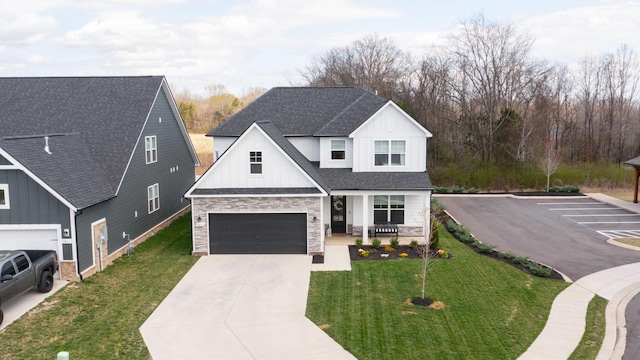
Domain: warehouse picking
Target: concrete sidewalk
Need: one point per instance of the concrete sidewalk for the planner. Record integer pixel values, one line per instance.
(240, 307)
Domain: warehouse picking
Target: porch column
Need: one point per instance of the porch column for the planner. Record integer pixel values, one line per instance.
(365, 219)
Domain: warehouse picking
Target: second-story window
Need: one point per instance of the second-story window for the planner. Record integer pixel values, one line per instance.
(4, 196)
(255, 162)
(390, 152)
(338, 149)
(151, 149)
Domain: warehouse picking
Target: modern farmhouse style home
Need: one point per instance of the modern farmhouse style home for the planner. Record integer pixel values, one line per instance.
(301, 163)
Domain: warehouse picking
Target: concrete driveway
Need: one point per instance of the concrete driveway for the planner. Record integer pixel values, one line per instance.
(240, 307)
(15, 308)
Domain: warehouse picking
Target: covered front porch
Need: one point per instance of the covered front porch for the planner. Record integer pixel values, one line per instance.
(348, 215)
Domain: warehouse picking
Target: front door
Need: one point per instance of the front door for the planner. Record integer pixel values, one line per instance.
(338, 214)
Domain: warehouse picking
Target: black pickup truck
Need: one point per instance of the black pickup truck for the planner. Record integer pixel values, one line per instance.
(22, 270)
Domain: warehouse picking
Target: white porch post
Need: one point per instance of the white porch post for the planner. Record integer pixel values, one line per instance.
(365, 219)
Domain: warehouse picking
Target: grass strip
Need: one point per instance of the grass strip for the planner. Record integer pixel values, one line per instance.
(594, 330)
(100, 317)
(487, 309)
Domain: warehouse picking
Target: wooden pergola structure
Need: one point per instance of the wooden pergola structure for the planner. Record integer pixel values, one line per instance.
(635, 162)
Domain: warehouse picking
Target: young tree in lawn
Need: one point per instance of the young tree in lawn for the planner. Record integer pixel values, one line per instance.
(550, 159)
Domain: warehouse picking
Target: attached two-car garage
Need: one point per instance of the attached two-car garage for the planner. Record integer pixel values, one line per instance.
(258, 233)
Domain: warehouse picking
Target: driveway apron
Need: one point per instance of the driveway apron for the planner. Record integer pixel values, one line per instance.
(240, 307)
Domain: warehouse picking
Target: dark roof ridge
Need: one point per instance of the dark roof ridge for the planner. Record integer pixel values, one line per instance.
(18, 137)
(341, 112)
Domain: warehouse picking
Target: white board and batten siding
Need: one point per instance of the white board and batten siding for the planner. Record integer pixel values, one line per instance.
(220, 145)
(390, 123)
(325, 153)
(233, 169)
(307, 145)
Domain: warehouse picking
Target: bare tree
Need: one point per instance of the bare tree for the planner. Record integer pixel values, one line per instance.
(550, 159)
(494, 72)
(372, 62)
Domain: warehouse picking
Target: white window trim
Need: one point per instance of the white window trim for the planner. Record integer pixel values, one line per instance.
(343, 149)
(150, 153)
(261, 162)
(5, 189)
(153, 193)
(389, 153)
(388, 209)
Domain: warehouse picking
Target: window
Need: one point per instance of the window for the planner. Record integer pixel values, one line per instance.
(4, 196)
(255, 161)
(388, 208)
(338, 149)
(151, 149)
(8, 269)
(21, 263)
(389, 152)
(153, 197)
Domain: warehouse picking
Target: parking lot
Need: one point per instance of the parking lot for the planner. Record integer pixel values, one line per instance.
(608, 220)
(569, 234)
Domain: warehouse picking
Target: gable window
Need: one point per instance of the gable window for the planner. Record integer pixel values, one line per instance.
(388, 208)
(153, 198)
(338, 149)
(255, 162)
(4, 196)
(151, 149)
(390, 152)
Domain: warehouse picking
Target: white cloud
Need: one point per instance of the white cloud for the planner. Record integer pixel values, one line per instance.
(569, 35)
(25, 28)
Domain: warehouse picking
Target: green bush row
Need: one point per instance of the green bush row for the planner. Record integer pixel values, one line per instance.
(462, 233)
(492, 177)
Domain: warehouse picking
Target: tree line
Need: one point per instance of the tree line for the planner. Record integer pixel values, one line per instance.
(486, 99)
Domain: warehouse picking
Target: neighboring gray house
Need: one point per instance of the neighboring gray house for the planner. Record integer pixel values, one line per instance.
(89, 163)
(300, 161)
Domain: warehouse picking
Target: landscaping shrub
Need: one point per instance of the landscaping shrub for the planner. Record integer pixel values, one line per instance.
(413, 244)
(394, 242)
(441, 189)
(507, 256)
(389, 248)
(538, 270)
(522, 260)
(375, 243)
(485, 248)
(457, 189)
(359, 242)
(473, 191)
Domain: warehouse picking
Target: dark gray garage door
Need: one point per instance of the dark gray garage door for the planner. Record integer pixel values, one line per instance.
(258, 233)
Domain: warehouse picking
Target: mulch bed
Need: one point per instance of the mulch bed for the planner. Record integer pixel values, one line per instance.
(376, 254)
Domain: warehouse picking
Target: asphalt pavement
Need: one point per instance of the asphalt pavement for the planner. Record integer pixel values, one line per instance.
(576, 236)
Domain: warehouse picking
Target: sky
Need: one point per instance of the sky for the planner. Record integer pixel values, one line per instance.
(265, 43)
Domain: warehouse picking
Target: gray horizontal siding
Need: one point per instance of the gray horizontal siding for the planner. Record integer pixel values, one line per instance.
(120, 212)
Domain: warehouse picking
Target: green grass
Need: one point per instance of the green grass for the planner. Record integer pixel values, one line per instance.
(492, 310)
(100, 318)
(594, 333)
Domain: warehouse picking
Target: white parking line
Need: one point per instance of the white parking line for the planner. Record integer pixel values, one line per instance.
(609, 222)
(616, 234)
(602, 215)
(593, 208)
(571, 203)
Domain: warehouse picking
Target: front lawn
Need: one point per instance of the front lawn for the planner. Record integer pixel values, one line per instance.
(489, 310)
(100, 318)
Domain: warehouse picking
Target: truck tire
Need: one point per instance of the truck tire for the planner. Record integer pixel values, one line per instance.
(1, 316)
(46, 282)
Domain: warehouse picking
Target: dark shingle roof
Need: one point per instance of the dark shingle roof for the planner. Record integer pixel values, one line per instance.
(633, 162)
(346, 179)
(306, 111)
(255, 191)
(105, 115)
